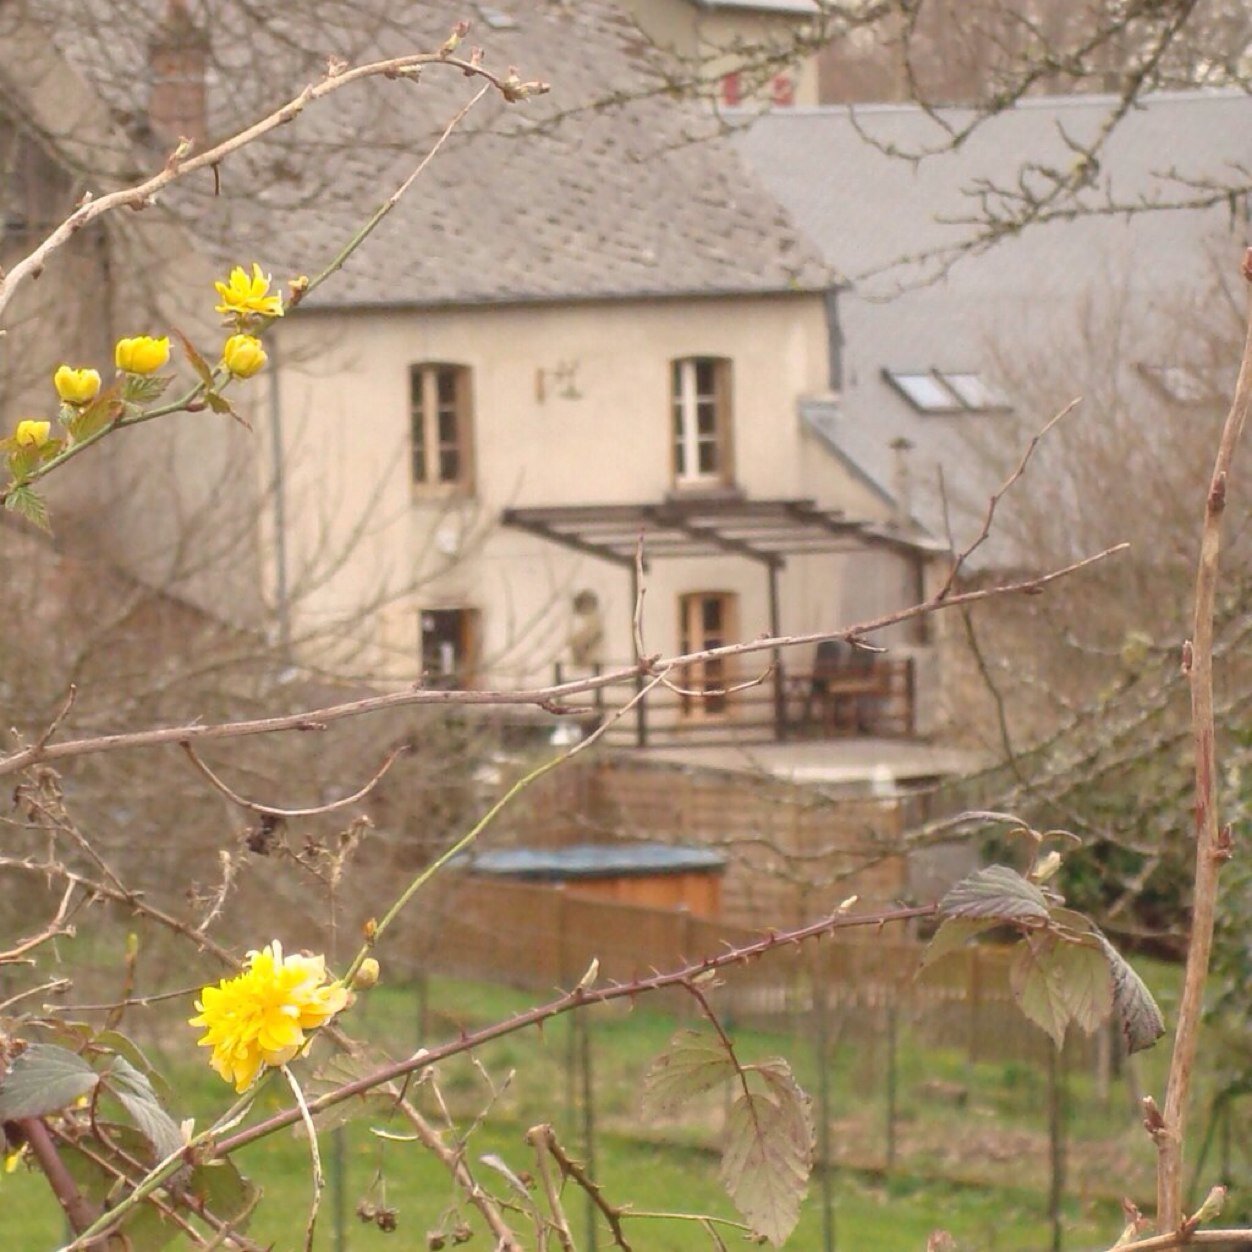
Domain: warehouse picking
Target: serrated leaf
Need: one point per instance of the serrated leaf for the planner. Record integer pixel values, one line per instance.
(1085, 983)
(136, 1095)
(219, 404)
(1036, 988)
(691, 1065)
(143, 389)
(769, 1152)
(1137, 1012)
(107, 407)
(995, 892)
(951, 937)
(26, 503)
(42, 1079)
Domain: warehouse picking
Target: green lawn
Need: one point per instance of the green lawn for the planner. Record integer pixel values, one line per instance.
(673, 1167)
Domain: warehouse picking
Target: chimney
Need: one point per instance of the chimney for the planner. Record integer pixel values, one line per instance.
(902, 486)
(178, 57)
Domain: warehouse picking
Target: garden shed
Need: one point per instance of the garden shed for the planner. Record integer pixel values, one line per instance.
(655, 875)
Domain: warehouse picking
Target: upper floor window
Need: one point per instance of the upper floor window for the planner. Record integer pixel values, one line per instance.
(440, 425)
(702, 421)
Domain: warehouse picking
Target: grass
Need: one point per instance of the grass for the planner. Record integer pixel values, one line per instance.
(673, 1167)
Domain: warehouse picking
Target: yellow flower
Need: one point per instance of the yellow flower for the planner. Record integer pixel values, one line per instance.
(142, 355)
(76, 386)
(247, 296)
(30, 434)
(243, 355)
(260, 1017)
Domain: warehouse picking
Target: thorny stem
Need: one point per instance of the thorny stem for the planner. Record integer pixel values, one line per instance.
(572, 1000)
(1212, 848)
(570, 1168)
(550, 698)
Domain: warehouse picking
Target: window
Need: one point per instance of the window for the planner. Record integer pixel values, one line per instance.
(449, 647)
(706, 619)
(439, 424)
(937, 391)
(701, 400)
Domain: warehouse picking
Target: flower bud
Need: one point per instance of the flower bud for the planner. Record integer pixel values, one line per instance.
(366, 976)
(243, 355)
(31, 434)
(76, 386)
(142, 355)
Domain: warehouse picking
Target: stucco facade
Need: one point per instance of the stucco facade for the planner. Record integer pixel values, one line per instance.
(571, 405)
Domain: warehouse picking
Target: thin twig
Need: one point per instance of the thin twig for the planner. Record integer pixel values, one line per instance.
(538, 1141)
(572, 1169)
(266, 810)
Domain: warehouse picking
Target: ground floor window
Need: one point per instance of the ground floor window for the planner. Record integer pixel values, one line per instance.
(449, 647)
(706, 619)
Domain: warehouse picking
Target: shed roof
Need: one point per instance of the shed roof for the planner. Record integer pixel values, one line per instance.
(597, 860)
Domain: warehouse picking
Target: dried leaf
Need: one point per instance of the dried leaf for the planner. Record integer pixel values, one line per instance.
(1137, 1012)
(202, 368)
(42, 1079)
(769, 1152)
(691, 1065)
(996, 892)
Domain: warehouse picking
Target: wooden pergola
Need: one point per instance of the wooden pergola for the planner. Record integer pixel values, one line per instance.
(764, 531)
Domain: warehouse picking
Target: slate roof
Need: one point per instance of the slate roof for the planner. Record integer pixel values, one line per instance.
(865, 210)
(550, 199)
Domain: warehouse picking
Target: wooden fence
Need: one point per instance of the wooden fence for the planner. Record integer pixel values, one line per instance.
(543, 938)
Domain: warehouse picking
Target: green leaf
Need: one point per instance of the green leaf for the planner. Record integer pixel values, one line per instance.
(136, 1095)
(996, 892)
(1137, 1012)
(691, 1065)
(1056, 982)
(1034, 987)
(23, 501)
(143, 389)
(42, 1079)
(105, 409)
(951, 937)
(144, 1229)
(224, 1192)
(769, 1151)
(1085, 983)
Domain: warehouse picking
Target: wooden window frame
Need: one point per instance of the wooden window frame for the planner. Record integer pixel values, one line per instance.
(700, 676)
(425, 405)
(468, 643)
(685, 435)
